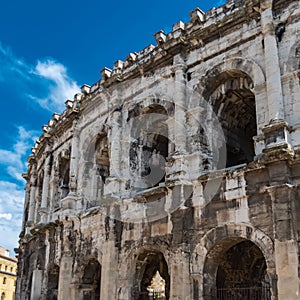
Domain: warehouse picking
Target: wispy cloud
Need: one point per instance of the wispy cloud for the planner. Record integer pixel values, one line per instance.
(47, 82)
(12, 193)
(11, 212)
(14, 159)
(62, 87)
(6, 216)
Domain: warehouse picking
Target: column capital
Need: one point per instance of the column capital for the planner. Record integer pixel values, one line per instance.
(179, 63)
(266, 4)
(180, 67)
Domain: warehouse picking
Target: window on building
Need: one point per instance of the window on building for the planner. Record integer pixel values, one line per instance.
(11, 269)
(5, 268)
(0, 266)
(4, 280)
(3, 296)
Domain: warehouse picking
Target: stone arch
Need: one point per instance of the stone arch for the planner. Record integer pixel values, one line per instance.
(40, 182)
(247, 66)
(228, 92)
(87, 279)
(63, 172)
(293, 63)
(150, 101)
(149, 143)
(219, 240)
(90, 141)
(96, 166)
(146, 263)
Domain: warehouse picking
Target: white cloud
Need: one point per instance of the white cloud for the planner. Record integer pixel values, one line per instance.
(47, 82)
(6, 216)
(11, 210)
(12, 66)
(63, 88)
(14, 159)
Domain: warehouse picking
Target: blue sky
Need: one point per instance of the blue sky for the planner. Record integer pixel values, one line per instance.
(48, 49)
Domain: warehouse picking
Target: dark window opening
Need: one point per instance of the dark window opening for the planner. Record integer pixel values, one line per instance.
(64, 173)
(234, 105)
(53, 281)
(152, 277)
(91, 281)
(102, 157)
(242, 274)
(149, 147)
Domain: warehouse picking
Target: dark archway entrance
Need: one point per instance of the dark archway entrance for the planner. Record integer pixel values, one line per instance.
(152, 270)
(53, 280)
(149, 146)
(91, 281)
(237, 272)
(232, 98)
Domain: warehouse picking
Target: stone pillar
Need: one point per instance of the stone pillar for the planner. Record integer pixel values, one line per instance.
(65, 278)
(115, 136)
(46, 182)
(109, 271)
(74, 159)
(71, 201)
(66, 266)
(176, 167)
(27, 200)
(180, 277)
(286, 248)
(115, 182)
(180, 104)
(33, 188)
(276, 132)
(274, 88)
(36, 285)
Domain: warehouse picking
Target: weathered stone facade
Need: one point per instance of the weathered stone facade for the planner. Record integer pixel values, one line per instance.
(183, 159)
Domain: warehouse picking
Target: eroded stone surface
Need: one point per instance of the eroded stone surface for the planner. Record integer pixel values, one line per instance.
(183, 160)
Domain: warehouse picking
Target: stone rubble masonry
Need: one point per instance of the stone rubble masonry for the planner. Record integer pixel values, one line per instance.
(184, 159)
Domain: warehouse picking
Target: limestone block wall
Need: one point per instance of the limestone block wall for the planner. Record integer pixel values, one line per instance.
(182, 159)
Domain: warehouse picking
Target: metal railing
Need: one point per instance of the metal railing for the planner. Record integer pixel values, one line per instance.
(146, 296)
(251, 293)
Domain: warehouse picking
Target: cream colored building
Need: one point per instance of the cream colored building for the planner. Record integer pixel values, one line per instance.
(8, 275)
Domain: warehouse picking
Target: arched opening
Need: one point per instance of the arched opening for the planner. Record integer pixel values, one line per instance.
(39, 195)
(64, 173)
(91, 281)
(53, 281)
(152, 277)
(102, 158)
(231, 96)
(236, 269)
(149, 146)
(3, 296)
